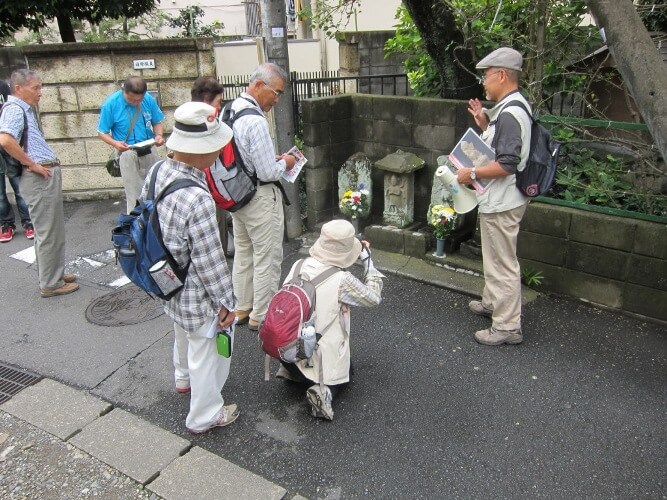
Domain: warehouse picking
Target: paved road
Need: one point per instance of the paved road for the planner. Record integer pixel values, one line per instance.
(577, 410)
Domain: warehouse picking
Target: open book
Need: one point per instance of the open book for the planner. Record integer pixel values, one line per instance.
(291, 175)
(472, 151)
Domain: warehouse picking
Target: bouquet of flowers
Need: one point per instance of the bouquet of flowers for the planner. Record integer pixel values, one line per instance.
(443, 220)
(355, 203)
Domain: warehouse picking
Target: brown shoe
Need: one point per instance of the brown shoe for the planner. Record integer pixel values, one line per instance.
(253, 325)
(477, 307)
(242, 317)
(63, 290)
(69, 278)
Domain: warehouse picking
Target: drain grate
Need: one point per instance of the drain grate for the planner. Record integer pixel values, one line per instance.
(14, 380)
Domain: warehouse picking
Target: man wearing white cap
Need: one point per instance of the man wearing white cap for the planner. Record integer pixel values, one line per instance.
(507, 130)
(329, 366)
(206, 303)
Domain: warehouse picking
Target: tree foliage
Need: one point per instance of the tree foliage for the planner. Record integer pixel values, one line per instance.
(190, 25)
(34, 14)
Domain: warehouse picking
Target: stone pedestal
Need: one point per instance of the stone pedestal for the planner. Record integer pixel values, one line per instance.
(399, 187)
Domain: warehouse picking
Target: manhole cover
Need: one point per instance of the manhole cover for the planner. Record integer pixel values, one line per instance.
(128, 305)
(14, 380)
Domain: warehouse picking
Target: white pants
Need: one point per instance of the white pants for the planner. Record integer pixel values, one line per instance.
(196, 359)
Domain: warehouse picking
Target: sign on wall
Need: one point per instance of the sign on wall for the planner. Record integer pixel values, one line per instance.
(144, 63)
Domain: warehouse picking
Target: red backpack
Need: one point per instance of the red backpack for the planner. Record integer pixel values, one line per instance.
(285, 333)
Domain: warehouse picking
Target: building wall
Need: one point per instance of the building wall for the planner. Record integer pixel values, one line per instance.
(242, 57)
(78, 77)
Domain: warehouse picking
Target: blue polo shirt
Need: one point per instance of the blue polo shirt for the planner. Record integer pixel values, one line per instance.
(116, 115)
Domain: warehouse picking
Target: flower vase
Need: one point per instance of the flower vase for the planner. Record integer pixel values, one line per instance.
(355, 223)
(440, 247)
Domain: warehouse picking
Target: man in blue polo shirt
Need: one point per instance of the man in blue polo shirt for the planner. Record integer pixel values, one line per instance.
(128, 118)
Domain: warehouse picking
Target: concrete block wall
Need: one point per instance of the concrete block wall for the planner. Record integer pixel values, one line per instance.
(617, 262)
(78, 77)
(337, 127)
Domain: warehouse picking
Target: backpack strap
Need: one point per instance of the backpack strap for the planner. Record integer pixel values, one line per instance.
(518, 104)
(175, 185)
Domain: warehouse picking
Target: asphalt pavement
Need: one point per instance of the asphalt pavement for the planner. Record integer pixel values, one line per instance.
(577, 410)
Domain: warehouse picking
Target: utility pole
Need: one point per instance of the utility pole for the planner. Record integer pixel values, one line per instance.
(274, 31)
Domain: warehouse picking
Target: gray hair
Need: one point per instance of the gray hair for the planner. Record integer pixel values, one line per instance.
(269, 73)
(23, 76)
(513, 74)
(135, 85)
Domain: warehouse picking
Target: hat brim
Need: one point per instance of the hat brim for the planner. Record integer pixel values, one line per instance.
(338, 260)
(195, 143)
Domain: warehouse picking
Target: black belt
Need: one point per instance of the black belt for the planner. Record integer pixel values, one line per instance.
(279, 185)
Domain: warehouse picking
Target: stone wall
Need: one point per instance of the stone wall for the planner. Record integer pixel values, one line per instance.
(78, 77)
(617, 262)
(337, 127)
(612, 261)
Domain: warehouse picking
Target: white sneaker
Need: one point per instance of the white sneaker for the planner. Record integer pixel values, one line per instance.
(320, 402)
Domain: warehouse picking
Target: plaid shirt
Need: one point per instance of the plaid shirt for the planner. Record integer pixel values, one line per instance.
(189, 230)
(355, 293)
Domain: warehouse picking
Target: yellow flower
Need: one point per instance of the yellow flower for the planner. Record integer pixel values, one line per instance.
(347, 194)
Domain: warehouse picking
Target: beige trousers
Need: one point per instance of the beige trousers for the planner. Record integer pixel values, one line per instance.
(133, 170)
(502, 274)
(258, 241)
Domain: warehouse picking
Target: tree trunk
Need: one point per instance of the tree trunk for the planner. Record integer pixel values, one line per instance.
(638, 61)
(445, 44)
(535, 63)
(66, 29)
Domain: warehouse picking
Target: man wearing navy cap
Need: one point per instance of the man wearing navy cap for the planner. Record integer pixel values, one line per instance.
(507, 130)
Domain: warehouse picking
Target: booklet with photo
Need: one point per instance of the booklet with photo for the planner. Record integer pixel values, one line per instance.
(291, 175)
(472, 151)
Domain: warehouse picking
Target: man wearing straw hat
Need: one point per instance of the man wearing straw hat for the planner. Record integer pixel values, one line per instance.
(501, 207)
(329, 366)
(206, 303)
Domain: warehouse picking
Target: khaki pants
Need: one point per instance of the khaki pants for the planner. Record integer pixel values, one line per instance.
(258, 241)
(502, 274)
(133, 170)
(45, 202)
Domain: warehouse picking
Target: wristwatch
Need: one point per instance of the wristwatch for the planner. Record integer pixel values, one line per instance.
(473, 173)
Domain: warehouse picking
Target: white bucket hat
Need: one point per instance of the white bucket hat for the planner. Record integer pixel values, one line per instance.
(197, 130)
(337, 245)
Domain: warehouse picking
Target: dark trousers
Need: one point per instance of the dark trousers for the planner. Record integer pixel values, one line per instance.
(6, 211)
(300, 378)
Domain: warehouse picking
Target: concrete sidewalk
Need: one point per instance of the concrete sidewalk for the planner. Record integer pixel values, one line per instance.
(142, 460)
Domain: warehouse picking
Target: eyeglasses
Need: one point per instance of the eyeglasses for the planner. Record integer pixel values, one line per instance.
(483, 78)
(277, 92)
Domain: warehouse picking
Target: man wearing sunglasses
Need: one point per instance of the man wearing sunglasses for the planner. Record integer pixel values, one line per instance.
(259, 225)
(507, 130)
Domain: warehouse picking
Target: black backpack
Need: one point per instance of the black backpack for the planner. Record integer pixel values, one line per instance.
(538, 175)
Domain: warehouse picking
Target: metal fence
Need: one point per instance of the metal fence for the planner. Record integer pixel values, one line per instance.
(322, 84)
